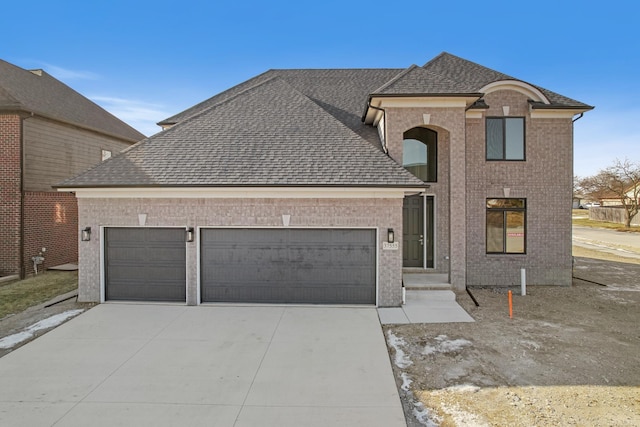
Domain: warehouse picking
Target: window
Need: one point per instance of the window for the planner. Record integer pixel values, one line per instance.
(419, 155)
(506, 226)
(505, 138)
(106, 154)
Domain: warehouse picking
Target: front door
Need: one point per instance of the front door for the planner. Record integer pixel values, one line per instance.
(413, 231)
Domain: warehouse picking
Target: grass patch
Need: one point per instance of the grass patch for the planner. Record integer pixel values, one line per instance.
(22, 294)
(581, 252)
(586, 222)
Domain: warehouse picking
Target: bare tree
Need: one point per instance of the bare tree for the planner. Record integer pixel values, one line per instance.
(622, 181)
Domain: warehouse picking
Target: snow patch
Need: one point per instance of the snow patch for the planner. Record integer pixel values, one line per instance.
(464, 388)
(464, 418)
(401, 359)
(15, 339)
(406, 381)
(444, 345)
(424, 417)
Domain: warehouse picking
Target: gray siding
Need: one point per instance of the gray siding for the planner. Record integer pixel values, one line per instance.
(54, 152)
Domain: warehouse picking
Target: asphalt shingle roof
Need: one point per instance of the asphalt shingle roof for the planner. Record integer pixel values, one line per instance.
(44, 95)
(477, 76)
(268, 135)
(289, 128)
(417, 80)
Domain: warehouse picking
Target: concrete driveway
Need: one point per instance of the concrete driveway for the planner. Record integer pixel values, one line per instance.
(167, 365)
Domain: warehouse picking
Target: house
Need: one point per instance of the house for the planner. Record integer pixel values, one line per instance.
(613, 199)
(326, 186)
(48, 132)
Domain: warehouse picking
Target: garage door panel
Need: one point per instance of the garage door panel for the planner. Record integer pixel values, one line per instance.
(288, 265)
(145, 264)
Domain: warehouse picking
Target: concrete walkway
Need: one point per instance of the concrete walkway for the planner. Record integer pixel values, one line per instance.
(168, 365)
(433, 306)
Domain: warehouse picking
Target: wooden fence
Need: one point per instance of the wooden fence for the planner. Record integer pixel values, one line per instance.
(610, 214)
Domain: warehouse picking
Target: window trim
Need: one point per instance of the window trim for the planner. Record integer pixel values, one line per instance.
(504, 227)
(504, 139)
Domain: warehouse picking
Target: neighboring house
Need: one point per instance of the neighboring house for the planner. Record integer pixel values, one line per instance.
(614, 200)
(325, 186)
(48, 132)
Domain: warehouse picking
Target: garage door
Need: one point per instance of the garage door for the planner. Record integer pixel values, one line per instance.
(145, 264)
(321, 266)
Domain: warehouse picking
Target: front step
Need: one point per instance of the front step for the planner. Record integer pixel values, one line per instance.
(426, 282)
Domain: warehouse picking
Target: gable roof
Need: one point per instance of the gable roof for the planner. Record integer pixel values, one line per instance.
(475, 76)
(418, 80)
(39, 93)
(267, 135)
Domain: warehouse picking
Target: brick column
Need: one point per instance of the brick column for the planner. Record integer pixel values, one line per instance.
(457, 206)
(10, 194)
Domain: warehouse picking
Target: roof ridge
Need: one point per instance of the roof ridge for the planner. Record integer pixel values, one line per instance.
(196, 106)
(220, 103)
(396, 78)
(443, 53)
(43, 94)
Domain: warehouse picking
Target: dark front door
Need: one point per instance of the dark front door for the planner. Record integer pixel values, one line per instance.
(413, 231)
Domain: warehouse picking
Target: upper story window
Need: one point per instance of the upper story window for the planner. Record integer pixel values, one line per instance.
(419, 153)
(505, 138)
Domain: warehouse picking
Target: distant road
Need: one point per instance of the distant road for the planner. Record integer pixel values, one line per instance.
(620, 243)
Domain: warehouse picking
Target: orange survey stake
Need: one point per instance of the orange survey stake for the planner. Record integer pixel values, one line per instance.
(510, 305)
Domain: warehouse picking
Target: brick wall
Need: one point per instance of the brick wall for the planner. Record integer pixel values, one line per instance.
(50, 221)
(544, 179)
(10, 195)
(449, 191)
(381, 213)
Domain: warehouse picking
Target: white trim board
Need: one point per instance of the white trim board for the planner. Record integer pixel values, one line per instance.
(242, 192)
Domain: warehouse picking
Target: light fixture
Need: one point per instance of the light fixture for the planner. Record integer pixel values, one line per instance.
(390, 235)
(86, 234)
(190, 234)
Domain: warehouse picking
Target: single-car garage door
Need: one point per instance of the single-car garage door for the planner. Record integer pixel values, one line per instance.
(145, 264)
(319, 266)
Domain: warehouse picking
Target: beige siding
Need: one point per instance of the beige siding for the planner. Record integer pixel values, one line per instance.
(54, 152)
(544, 179)
(321, 213)
(449, 191)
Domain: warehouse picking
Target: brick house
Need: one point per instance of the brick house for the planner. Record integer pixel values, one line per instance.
(48, 132)
(326, 186)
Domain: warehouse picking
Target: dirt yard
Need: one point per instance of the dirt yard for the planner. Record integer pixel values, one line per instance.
(569, 356)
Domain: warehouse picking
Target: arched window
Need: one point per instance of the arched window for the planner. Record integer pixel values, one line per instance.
(419, 153)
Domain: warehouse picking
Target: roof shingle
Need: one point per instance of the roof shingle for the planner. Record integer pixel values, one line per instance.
(40, 93)
(267, 135)
(289, 128)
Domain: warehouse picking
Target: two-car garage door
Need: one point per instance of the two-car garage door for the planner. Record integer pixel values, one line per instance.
(321, 266)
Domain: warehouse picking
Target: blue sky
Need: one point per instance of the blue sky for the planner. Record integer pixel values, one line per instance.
(147, 60)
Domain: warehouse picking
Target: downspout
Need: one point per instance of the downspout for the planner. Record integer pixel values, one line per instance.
(384, 136)
(577, 118)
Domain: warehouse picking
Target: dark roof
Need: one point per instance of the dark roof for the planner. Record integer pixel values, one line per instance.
(39, 93)
(289, 128)
(473, 77)
(417, 80)
(267, 135)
